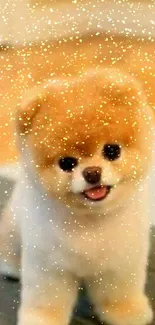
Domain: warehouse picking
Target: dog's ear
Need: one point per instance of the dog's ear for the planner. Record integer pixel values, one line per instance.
(28, 108)
(119, 87)
(125, 89)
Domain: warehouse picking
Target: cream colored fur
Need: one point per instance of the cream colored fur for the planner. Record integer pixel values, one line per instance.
(109, 252)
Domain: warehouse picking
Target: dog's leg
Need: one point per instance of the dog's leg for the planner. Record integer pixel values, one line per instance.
(119, 297)
(9, 244)
(48, 295)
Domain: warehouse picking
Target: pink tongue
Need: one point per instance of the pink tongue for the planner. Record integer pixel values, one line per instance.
(96, 193)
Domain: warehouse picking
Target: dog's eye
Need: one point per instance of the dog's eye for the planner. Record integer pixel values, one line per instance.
(67, 164)
(111, 151)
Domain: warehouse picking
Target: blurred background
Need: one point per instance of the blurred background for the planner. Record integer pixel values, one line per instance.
(39, 39)
(24, 21)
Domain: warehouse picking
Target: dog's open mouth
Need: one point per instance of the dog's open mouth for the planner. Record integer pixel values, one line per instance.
(97, 193)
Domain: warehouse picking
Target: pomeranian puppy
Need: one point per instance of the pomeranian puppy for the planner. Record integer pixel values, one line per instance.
(79, 210)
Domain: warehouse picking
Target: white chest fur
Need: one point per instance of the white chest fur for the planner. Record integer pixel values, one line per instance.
(81, 243)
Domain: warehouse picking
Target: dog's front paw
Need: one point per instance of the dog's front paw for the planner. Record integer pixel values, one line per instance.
(41, 316)
(128, 312)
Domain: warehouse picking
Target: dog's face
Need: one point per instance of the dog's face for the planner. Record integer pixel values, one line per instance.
(90, 138)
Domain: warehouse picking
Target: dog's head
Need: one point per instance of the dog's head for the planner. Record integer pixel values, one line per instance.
(89, 138)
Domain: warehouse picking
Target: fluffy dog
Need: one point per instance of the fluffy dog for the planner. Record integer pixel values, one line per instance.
(79, 210)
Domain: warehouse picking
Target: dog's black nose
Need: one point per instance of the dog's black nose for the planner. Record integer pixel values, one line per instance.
(92, 175)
